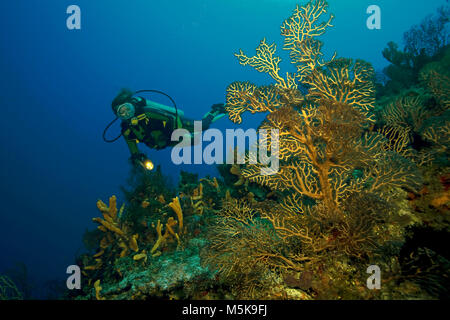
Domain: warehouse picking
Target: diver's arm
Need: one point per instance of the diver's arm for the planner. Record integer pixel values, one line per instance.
(131, 143)
(132, 146)
(137, 157)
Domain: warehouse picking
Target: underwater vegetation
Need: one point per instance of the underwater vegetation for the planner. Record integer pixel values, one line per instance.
(150, 248)
(8, 289)
(16, 284)
(423, 43)
(363, 180)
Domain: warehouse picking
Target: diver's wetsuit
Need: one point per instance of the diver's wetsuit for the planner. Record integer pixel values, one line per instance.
(154, 125)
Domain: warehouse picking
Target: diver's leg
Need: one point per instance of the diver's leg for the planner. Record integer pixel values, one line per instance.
(217, 112)
(188, 124)
(189, 138)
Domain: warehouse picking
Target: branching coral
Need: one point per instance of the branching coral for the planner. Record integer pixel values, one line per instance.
(299, 31)
(430, 35)
(354, 231)
(251, 243)
(439, 135)
(439, 85)
(322, 143)
(320, 149)
(241, 246)
(410, 119)
(265, 61)
(325, 159)
(8, 289)
(344, 81)
(403, 119)
(244, 96)
(333, 173)
(407, 112)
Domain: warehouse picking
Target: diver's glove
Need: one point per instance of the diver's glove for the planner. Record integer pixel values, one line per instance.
(141, 160)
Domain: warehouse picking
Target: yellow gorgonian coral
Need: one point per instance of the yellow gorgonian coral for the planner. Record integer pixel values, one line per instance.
(320, 133)
(299, 31)
(264, 61)
(244, 96)
(340, 80)
(344, 81)
(320, 147)
(335, 177)
(439, 85)
(439, 135)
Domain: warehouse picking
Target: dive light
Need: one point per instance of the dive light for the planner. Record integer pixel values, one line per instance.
(148, 165)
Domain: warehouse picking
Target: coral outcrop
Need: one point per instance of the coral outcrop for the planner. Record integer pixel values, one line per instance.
(361, 179)
(338, 177)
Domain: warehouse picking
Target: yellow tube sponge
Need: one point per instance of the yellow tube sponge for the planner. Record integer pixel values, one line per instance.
(175, 205)
(140, 256)
(133, 243)
(160, 237)
(98, 288)
(116, 233)
(109, 226)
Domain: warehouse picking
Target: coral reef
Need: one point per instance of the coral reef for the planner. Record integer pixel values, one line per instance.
(423, 43)
(363, 171)
(136, 249)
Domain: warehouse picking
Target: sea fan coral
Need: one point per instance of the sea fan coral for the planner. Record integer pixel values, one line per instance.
(335, 175)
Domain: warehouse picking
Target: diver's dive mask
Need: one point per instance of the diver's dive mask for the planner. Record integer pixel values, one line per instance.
(126, 111)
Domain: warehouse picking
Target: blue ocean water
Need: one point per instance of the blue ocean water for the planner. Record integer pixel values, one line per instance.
(57, 86)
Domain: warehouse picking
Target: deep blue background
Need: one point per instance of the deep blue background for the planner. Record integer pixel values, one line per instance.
(57, 86)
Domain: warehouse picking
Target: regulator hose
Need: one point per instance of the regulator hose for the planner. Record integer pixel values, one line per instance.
(106, 129)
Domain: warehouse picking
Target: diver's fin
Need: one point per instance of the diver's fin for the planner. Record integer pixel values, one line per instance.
(219, 116)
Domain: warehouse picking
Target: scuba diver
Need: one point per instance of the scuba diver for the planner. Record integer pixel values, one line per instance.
(152, 123)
